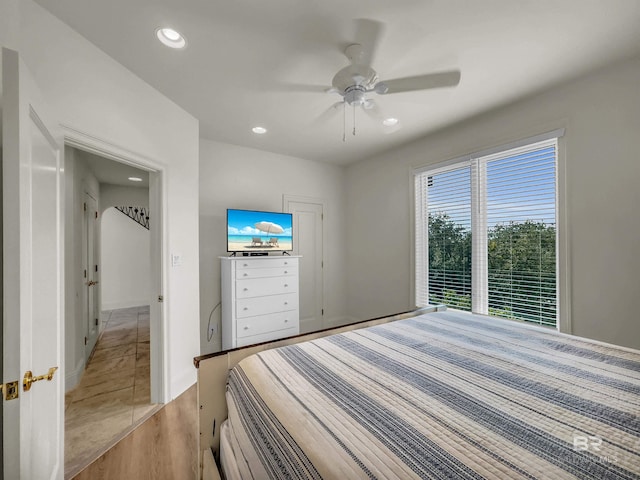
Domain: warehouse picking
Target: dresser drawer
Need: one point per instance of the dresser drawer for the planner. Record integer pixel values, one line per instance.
(258, 287)
(267, 262)
(266, 337)
(250, 307)
(265, 272)
(266, 323)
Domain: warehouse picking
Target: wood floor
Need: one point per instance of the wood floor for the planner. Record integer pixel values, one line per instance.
(163, 447)
(114, 392)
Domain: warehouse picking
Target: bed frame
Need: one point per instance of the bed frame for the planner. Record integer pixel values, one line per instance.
(213, 370)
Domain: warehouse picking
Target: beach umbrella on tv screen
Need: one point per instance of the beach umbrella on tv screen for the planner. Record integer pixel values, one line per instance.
(269, 227)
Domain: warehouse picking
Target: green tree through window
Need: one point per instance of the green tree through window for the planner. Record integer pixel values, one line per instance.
(449, 262)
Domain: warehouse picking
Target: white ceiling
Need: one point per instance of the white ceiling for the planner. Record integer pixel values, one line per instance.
(114, 173)
(252, 62)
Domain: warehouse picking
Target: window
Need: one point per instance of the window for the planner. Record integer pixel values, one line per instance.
(486, 238)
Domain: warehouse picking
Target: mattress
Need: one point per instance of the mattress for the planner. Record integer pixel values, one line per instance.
(443, 395)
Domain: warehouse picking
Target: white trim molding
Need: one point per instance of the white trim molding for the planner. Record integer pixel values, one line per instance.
(72, 377)
(89, 143)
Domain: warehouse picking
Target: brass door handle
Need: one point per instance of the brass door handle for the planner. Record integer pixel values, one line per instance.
(30, 379)
(92, 283)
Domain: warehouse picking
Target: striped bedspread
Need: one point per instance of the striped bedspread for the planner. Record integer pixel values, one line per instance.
(443, 395)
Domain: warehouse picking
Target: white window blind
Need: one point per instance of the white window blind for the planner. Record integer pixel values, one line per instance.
(445, 238)
(486, 234)
(521, 233)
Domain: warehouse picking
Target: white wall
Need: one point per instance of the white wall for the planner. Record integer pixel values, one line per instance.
(120, 195)
(601, 113)
(238, 177)
(93, 94)
(9, 23)
(125, 260)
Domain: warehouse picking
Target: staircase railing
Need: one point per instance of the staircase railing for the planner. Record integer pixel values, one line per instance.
(139, 215)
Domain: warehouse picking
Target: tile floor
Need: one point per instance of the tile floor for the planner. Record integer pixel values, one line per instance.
(114, 391)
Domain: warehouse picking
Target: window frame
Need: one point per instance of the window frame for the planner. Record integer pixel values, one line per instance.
(563, 316)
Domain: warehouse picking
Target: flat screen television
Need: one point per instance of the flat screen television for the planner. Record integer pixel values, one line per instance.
(253, 231)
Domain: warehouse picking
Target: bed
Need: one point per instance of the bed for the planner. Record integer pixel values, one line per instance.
(440, 395)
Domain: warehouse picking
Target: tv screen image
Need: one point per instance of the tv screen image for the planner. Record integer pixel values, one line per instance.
(256, 231)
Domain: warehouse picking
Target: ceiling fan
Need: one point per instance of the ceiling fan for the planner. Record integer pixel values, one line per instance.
(356, 82)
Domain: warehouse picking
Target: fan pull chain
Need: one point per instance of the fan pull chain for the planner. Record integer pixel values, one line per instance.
(354, 119)
(344, 121)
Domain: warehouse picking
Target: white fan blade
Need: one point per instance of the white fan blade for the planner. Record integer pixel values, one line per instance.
(358, 79)
(329, 113)
(368, 35)
(420, 82)
(302, 88)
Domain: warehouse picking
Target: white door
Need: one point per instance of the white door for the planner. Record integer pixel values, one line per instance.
(307, 241)
(91, 273)
(33, 423)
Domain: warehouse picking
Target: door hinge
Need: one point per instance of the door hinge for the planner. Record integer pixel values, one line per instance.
(96, 322)
(10, 390)
(96, 268)
(160, 298)
(85, 273)
(96, 214)
(322, 312)
(85, 340)
(84, 206)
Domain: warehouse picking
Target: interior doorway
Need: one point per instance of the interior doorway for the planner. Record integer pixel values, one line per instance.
(112, 340)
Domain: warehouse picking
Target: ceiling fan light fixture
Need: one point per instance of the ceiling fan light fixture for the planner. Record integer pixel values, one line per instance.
(171, 38)
(390, 122)
(259, 130)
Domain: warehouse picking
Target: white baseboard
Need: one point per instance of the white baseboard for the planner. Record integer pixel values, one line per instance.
(124, 304)
(72, 378)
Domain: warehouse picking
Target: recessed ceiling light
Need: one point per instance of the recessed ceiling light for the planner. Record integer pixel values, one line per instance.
(135, 179)
(390, 122)
(259, 130)
(171, 38)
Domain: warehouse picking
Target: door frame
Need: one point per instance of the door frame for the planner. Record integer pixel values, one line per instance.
(159, 241)
(286, 207)
(87, 240)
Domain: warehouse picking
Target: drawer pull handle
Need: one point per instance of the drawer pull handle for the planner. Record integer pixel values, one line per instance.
(286, 271)
(286, 320)
(245, 289)
(286, 263)
(286, 284)
(246, 308)
(246, 328)
(244, 275)
(286, 303)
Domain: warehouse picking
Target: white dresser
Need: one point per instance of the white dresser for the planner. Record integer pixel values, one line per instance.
(259, 299)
